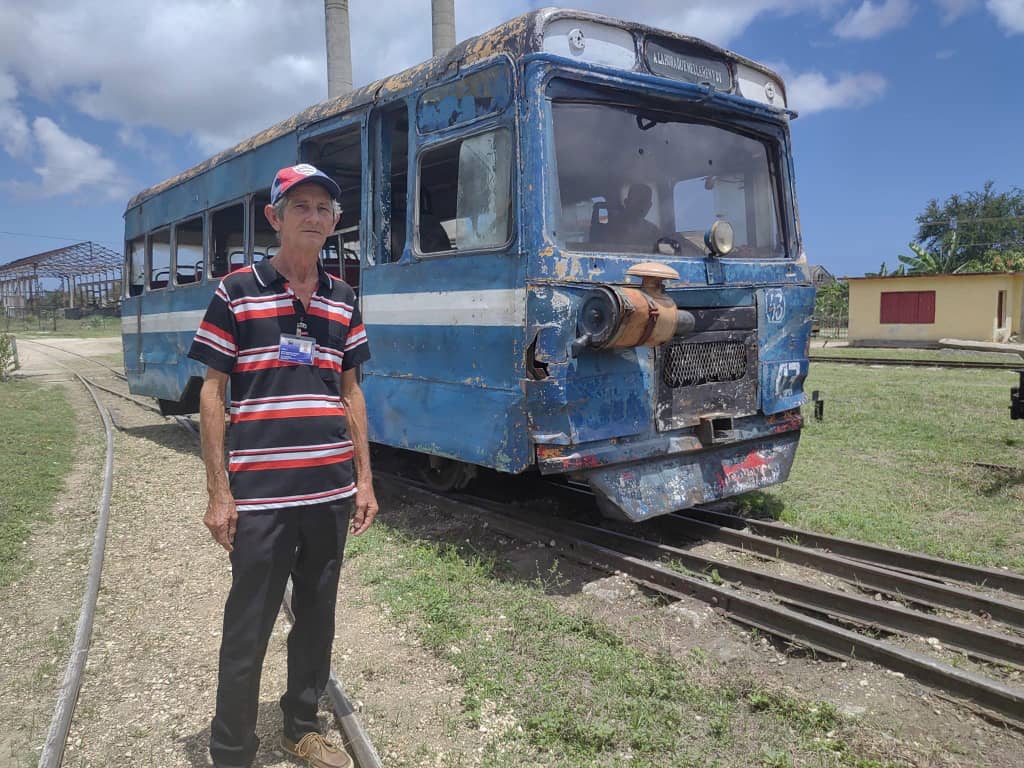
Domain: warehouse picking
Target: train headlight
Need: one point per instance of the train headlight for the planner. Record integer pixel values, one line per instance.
(719, 239)
(597, 321)
(599, 316)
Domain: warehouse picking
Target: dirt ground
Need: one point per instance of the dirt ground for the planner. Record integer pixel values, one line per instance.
(148, 692)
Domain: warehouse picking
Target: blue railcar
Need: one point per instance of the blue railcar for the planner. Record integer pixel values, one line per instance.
(576, 246)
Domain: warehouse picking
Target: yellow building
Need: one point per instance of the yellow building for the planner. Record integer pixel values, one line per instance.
(921, 309)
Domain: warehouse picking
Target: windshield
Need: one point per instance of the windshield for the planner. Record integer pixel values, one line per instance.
(631, 182)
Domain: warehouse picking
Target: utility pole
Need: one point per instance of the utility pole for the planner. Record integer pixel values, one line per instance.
(442, 15)
(339, 48)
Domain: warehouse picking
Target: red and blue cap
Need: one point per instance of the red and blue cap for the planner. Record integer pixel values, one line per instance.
(293, 175)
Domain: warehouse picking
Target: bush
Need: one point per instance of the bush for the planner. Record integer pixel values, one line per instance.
(8, 356)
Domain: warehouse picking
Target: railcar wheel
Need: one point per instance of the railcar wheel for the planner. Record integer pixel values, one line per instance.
(445, 475)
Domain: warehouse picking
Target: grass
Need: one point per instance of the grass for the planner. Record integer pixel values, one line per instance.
(941, 355)
(554, 686)
(36, 454)
(893, 463)
(93, 327)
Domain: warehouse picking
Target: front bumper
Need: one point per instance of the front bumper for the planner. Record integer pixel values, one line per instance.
(644, 489)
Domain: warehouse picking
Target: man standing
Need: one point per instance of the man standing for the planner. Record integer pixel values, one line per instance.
(289, 338)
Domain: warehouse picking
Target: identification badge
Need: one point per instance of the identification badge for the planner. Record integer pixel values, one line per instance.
(296, 349)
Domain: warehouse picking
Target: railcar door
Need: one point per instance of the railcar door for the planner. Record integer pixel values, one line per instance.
(442, 286)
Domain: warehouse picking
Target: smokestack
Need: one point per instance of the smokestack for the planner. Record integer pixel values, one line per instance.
(443, 25)
(339, 48)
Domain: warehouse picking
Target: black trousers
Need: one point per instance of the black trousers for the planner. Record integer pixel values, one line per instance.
(306, 543)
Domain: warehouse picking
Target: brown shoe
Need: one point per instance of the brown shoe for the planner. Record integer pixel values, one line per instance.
(317, 751)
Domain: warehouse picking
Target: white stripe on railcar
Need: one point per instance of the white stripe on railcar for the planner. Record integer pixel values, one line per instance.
(494, 307)
(165, 322)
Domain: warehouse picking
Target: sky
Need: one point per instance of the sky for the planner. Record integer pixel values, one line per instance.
(900, 101)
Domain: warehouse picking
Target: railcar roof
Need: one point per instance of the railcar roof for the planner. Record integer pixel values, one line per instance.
(516, 37)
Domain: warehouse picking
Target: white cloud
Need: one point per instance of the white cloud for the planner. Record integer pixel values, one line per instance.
(14, 133)
(70, 165)
(719, 21)
(218, 71)
(812, 92)
(870, 21)
(1009, 14)
(954, 9)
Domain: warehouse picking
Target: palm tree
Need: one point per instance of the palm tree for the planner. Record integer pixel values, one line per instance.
(945, 261)
(883, 271)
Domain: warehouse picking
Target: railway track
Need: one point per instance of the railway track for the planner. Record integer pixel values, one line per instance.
(357, 740)
(883, 626)
(980, 364)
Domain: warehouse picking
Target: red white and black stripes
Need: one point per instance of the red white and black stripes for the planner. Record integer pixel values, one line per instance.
(298, 406)
(289, 458)
(338, 311)
(299, 500)
(356, 336)
(218, 339)
(288, 441)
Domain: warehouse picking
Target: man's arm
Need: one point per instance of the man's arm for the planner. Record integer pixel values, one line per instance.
(221, 516)
(355, 407)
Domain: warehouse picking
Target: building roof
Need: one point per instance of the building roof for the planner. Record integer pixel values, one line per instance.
(955, 274)
(86, 258)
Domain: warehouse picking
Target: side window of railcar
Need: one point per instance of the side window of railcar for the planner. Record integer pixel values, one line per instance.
(465, 189)
(391, 178)
(339, 155)
(264, 238)
(227, 241)
(159, 259)
(136, 272)
(188, 251)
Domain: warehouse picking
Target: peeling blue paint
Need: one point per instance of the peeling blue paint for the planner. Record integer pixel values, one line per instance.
(509, 395)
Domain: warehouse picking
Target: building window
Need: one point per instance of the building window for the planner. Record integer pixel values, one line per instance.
(908, 307)
(1001, 310)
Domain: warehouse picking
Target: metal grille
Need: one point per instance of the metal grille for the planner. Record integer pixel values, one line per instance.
(690, 365)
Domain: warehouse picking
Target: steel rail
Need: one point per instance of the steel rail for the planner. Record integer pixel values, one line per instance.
(363, 753)
(980, 364)
(862, 574)
(975, 641)
(766, 616)
(117, 373)
(870, 553)
(57, 736)
(130, 398)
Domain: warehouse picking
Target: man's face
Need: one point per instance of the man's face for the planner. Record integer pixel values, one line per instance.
(307, 220)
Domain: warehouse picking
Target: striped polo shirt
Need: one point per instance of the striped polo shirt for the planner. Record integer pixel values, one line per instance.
(289, 444)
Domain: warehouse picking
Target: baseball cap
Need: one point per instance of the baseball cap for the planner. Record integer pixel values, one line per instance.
(287, 178)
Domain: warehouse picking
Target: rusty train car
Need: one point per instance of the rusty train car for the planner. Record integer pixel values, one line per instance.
(576, 246)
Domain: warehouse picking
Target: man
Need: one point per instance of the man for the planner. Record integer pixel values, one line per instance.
(632, 226)
(289, 338)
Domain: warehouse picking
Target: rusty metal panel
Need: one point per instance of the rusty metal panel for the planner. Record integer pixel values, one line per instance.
(472, 97)
(646, 489)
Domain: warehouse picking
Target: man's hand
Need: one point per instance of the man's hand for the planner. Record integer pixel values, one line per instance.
(366, 508)
(222, 519)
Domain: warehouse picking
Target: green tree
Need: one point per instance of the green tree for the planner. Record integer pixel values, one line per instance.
(832, 300)
(997, 261)
(971, 228)
(934, 262)
(884, 271)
